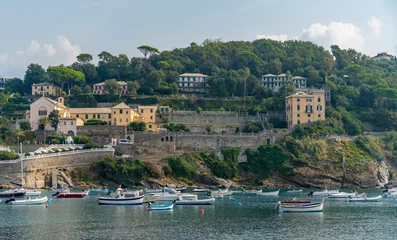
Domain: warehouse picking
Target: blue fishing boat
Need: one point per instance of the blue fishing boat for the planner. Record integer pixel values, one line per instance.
(167, 206)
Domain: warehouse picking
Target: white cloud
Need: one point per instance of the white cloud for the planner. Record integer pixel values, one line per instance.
(346, 35)
(61, 51)
(281, 37)
(376, 26)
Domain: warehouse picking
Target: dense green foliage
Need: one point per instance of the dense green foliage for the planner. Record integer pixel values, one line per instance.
(123, 171)
(183, 167)
(176, 127)
(82, 139)
(95, 122)
(5, 155)
(137, 126)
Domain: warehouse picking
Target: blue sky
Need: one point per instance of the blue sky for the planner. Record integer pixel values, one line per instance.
(50, 32)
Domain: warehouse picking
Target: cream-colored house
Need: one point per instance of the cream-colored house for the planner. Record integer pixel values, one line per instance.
(148, 115)
(45, 89)
(123, 115)
(99, 88)
(42, 107)
(305, 108)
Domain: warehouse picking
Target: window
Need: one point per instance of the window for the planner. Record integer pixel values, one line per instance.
(71, 123)
(64, 123)
(151, 117)
(298, 100)
(86, 116)
(126, 120)
(110, 115)
(299, 115)
(308, 121)
(43, 112)
(298, 122)
(151, 110)
(298, 107)
(48, 87)
(121, 111)
(308, 115)
(141, 110)
(150, 126)
(319, 115)
(309, 108)
(114, 112)
(77, 115)
(319, 99)
(121, 120)
(126, 112)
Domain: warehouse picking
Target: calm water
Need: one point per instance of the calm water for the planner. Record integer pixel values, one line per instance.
(254, 219)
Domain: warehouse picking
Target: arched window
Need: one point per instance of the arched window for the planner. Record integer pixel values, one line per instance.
(166, 138)
(171, 139)
(42, 111)
(162, 139)
(71, 133)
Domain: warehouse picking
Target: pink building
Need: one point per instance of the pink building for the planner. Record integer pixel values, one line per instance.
(99, 88)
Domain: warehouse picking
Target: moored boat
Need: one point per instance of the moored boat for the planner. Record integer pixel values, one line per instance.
(122, 198)
(196, 201)
(32, 192)
(220, 192)
(201, 190)
(68, 194)
(342, 195)
(167, 206)
(323, 193)
(293, 190)
(13, 193)
(251, 191)
(273, 193)
(363, 198)
(27, 201)
(300, 206)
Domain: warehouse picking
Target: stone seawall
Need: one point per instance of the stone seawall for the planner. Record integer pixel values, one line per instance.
(44, 164)
(102, 134)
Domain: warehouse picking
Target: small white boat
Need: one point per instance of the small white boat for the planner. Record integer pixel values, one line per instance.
(342, 195)
(251, 191)
(28, 201)
(122, 198)
(300, 206)
(220, 192)
(273, 193)
(293, 190)
(323, 193)
(390, 193)
(32, 192)
(201, 190)
(167, 206)
(363, 198)
(196, 201)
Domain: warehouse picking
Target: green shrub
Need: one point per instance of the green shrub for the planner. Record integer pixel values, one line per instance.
(91, 145)
(95, 122)
(5, 155)
(82, 139)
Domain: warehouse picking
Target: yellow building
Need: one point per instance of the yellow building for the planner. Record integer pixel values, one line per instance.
(45, 89)
(123, 115)
(118, 115)
(148, 115)
(305, 108)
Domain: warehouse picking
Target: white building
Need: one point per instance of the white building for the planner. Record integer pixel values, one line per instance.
(3, 81)
(193, 82)
(276, 82)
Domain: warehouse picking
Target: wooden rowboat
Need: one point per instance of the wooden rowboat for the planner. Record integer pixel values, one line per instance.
(300, 206)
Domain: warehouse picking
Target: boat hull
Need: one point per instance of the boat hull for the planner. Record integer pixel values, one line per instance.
(36, 201)
(367, 199)
(161, 207)
(71, 195)
(196, 202)
(121, 201)
(307, 207)
(12, 194)
(275, 193)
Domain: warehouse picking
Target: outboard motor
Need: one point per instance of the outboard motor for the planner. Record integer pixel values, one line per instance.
(56, 194)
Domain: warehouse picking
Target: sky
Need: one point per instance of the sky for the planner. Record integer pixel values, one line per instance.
(51, 32)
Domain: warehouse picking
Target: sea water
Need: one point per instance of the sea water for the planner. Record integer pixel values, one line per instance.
(253, 218)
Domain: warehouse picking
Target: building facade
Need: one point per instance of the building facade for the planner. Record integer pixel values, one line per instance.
(305, 108)
(276, 82)
(118, 115)
(193, 82)
(99, 88)
(3, 81)
(383, 55)
(45, 89)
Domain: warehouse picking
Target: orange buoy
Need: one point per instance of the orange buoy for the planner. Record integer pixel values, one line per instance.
(202, 211)
(46, 206)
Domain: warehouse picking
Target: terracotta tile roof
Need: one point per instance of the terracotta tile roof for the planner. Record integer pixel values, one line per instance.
(192, 75)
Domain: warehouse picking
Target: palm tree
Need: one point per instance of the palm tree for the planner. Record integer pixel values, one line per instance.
(18, 133)
(44, 121)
